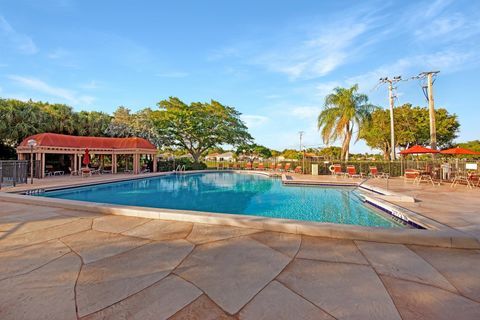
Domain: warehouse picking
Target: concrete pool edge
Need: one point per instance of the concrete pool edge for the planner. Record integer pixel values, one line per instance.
(448, 238)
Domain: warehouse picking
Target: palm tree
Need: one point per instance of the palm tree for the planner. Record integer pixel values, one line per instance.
(344, 109)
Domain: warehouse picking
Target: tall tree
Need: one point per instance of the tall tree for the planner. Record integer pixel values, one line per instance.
(199, 126)
(411, 127)
(344, 109)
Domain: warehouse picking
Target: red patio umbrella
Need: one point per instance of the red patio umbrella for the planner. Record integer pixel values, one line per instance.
(458, 150)
(86, 158)
(417, 150)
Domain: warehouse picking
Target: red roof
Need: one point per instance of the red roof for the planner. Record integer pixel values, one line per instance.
(66, 141)
(418, 149)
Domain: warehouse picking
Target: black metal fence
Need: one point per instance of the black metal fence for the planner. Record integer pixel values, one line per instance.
(393, 168)
(13, 172)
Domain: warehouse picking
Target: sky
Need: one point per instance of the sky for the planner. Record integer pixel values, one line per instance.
(274, 61)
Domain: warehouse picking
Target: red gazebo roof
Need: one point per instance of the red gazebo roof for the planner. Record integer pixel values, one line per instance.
(418, 149)
(66, 141)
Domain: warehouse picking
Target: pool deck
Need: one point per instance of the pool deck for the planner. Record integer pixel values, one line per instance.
(58, 263)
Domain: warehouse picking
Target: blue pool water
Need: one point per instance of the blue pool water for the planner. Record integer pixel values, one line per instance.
(234, 193)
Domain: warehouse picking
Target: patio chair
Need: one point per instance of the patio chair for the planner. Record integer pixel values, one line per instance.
(220, 166)
(248, 166)
(260, 166)
(86, 172)
(279, 167)
(230, 166)
(411, 174)
(375, 174)
(287, 167)
(73, 172)
(236, 166)
(462, 177)
(298, 169)
(352, 172)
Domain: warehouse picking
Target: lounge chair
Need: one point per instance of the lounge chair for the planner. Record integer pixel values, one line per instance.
(298, 169)
(375, 174)
(337, 170)
(352, 172)
(260, 166)
(287, 167)
(248, 166)
(279, 167)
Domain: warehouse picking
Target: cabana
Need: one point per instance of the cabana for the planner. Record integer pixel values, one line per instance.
(75, 146)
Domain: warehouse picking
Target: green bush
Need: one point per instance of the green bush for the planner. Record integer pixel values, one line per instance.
(171, 165)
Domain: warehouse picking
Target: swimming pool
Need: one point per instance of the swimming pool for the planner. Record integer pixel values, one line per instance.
(235, 193)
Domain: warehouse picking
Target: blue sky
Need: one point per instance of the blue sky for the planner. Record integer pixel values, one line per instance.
(272, 60)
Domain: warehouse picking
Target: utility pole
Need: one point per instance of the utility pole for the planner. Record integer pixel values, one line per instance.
(428, 78)
(303, 158)
(391, 98)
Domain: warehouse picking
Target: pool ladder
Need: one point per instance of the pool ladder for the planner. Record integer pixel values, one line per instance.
(180, 168)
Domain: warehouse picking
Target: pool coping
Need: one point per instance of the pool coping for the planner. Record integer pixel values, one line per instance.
(441, 236)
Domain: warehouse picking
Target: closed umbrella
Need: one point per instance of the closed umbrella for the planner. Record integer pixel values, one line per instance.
(86, 158)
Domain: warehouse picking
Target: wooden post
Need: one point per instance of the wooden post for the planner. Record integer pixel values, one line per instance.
(114, 163)
(154, 163)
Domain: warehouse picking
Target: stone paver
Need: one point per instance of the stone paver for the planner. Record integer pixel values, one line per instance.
(21, 227)
(396, 260)
(157, 302)
(286, 243)
(346, 291)
(232, 271)
(38, 236)
(460, 267)
(94, 245)
(202, 309)
(278, 302)
(203, 233)
(46, 293)
(418, 301)
(26, 259)
(161, 230)
(330, 250)
(105, 282)
(117, 224)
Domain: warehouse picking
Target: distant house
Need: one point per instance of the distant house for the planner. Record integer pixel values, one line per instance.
(227, 156)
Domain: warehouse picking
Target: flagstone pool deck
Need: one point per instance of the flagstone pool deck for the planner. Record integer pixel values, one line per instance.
(58, 263)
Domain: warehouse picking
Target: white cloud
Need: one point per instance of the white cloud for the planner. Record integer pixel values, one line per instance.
(316, 56)
(20, 42)
(42, 87)
(306, 112)
(253, 121)
(173, 74)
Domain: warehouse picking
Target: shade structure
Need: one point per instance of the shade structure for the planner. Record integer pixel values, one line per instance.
(458, 150)
(86, 158)
(418, 149)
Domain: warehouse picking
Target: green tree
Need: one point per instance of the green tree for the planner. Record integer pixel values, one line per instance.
(199, 126)
(471, 145)
(344, 109)
(91, 123)
(292, 154)
(331, 153)
(411, 127)
(253, 151)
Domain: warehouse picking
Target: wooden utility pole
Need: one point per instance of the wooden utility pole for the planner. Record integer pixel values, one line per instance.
(431, 111)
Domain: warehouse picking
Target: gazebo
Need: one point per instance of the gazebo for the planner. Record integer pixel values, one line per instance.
(75, 146)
